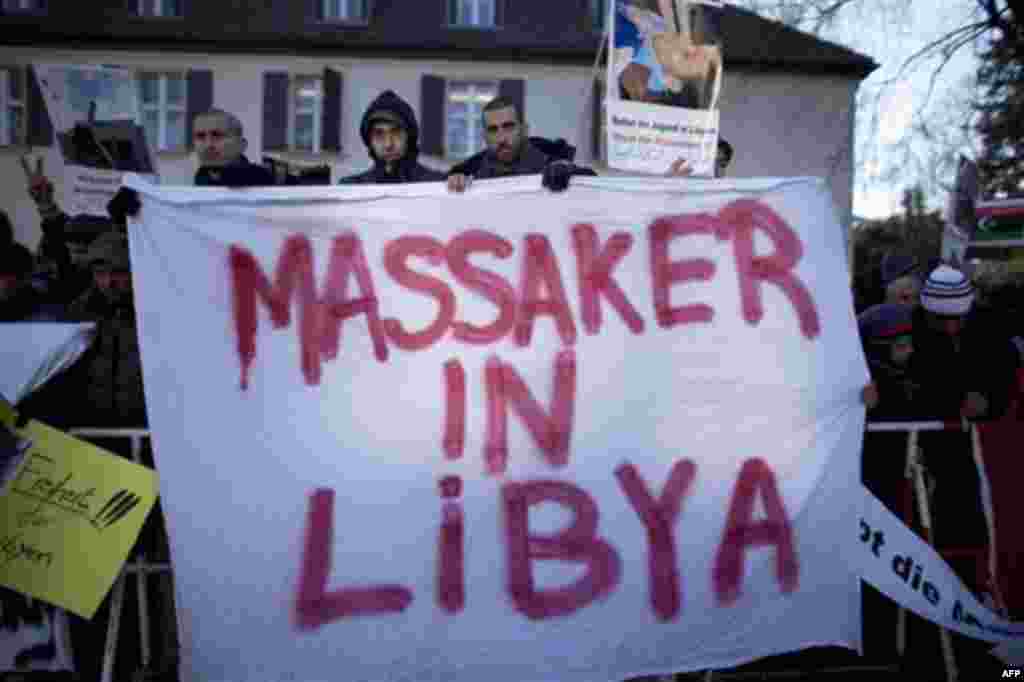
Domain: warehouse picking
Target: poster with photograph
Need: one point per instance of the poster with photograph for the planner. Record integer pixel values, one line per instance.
(665, 78)
(94, 110)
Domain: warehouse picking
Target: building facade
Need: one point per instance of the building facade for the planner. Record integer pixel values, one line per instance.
(300, 73)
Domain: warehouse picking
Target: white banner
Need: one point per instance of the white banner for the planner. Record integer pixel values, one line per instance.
(910, 572)
(510, 434)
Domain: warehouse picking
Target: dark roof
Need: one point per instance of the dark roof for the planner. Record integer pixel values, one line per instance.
(752, 40)
(530, 30)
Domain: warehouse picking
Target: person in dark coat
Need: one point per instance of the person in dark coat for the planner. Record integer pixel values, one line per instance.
(511, 151)
(964, 364)
(900, 278)
(391, 135)
(104, 387)
(965, 367)
(886, 333)
(220, 145)
(963, 357)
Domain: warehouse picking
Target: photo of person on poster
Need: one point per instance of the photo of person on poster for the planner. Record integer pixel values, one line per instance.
(668, 51)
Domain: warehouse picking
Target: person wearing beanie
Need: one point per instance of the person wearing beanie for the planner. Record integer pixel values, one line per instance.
(391, 135)
(104, 387)
(886, 331)
(964, 363)
(900, 279)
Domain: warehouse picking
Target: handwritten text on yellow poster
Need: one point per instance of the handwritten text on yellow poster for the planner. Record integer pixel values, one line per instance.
(69, 514)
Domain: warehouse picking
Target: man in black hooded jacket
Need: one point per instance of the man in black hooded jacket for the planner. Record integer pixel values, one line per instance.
(391, 135)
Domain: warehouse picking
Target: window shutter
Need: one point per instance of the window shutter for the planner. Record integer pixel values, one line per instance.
(316, 10)
(330, 128)
(515, 90)
(499, 13)
(597, 123)
(198, 98)
(275, 111)
(40, 128)
(432, 96)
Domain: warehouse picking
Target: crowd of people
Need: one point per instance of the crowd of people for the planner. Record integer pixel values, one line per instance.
(933, 354)
(81, 269)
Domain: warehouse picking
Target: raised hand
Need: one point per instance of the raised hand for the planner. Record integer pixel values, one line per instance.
(679, 168)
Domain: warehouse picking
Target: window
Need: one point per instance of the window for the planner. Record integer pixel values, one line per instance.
(345, 10)
(305, 107)
(302, 113)
(12, 101)
(464, 109)
(476, 13)
(598, 14)
(162, 108)
(160, 8)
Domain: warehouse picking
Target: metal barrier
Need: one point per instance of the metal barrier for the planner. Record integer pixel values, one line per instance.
(914, 472)
(138, 565)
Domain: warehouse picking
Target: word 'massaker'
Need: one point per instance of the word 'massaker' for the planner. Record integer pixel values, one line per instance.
(541, 291)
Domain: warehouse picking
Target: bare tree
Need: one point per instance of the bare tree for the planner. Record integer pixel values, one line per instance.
(940, 125)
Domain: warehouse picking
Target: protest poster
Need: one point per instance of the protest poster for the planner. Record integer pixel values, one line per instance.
(33, 634)
(69, 515)
(94, 110)
(664, 78)
(34, 352)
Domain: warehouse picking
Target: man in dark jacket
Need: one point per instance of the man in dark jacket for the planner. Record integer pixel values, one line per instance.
(220, 145)
(510, 151)
(963, 359)
(104, 387)
(965, 367)
(391, 135)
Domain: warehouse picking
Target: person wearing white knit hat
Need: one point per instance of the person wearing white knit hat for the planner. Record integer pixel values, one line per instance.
(947, 292)
(964, 365)
(947, 298)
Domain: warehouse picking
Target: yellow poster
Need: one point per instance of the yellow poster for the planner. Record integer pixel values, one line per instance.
(69, 514)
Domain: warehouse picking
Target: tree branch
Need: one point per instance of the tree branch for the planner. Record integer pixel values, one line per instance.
(927, 49)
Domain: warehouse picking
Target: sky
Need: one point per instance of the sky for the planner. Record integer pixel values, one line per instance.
(890, 31)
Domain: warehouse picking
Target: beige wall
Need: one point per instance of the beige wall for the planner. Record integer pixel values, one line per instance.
(779, 124)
